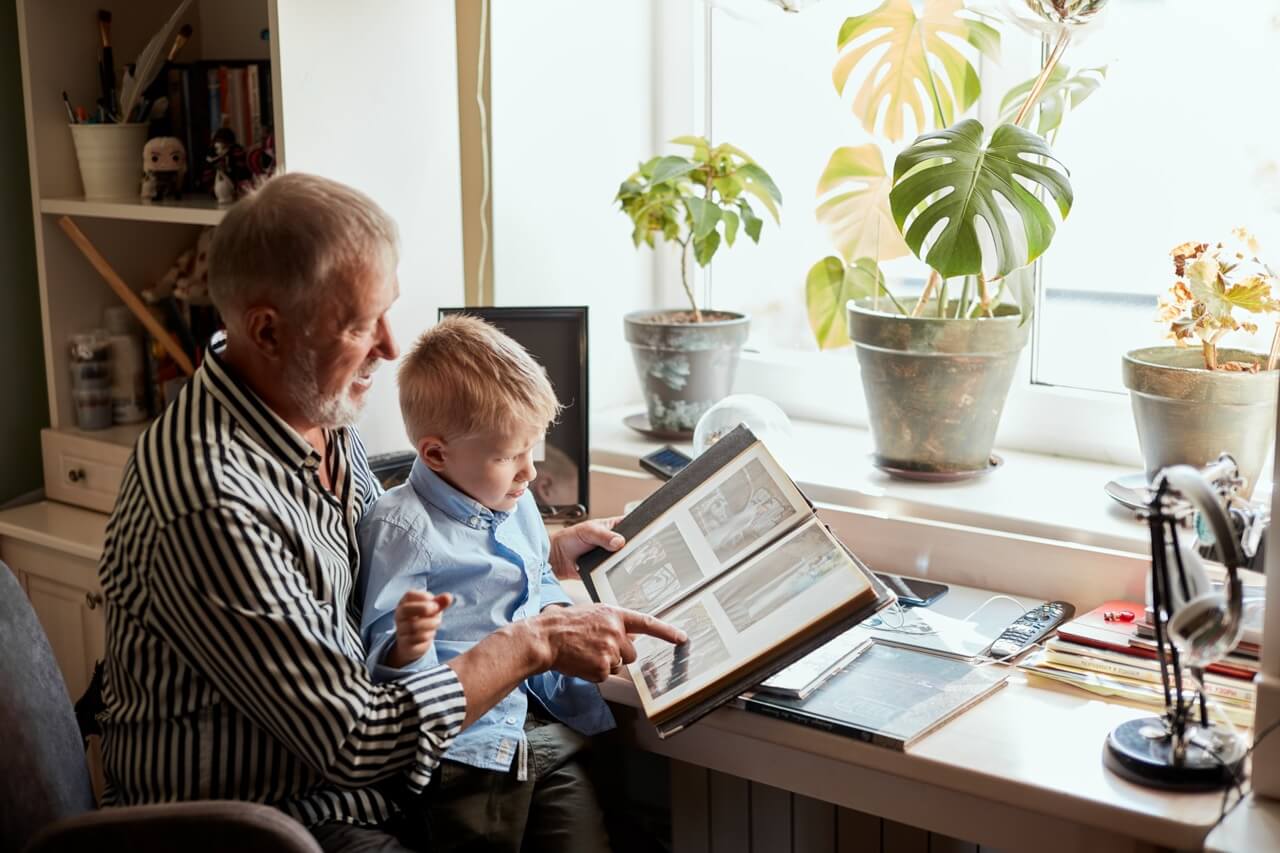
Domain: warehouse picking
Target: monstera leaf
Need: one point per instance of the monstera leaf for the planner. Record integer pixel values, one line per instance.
(905, 74)
(856, 210)
(950, 175)
(829, 286)
(1063, 91)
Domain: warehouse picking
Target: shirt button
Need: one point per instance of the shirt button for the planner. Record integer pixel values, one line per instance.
(511, 721)
(475, 521)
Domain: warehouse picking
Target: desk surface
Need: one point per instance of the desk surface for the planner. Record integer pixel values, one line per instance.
(1031, 748)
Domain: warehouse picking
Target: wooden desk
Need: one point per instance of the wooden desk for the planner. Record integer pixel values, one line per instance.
(1252, 826)
(1022, 770)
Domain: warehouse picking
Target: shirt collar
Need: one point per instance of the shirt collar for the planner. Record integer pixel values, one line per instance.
(462, 508)
(253, 415)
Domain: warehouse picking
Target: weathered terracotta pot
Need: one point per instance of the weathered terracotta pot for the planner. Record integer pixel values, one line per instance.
(1187, 415)
(684, 367)
(935, 387)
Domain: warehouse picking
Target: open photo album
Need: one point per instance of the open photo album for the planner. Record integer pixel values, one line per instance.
(731, 552)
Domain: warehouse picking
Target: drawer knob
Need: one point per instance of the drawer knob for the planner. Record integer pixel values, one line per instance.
(75, 475)
(93, 600)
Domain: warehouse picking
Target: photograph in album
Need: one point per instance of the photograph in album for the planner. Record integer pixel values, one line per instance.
(655, 573)
(730, 551)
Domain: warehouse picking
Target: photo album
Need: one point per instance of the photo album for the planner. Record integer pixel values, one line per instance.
(731, 552)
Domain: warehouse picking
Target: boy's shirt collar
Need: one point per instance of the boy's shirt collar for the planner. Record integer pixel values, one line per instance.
(462, 508)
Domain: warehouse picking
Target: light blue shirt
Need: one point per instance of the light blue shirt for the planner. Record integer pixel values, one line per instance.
(426, 534)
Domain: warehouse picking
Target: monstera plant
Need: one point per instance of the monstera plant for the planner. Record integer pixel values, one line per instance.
(978, 206)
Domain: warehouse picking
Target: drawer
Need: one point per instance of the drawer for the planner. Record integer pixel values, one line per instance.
(85, 471)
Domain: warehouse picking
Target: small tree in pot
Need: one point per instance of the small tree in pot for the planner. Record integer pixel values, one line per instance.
(686, 359)
(974, 204)
(1191, 404)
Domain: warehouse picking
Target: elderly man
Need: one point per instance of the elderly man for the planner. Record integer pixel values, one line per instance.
(234, 664)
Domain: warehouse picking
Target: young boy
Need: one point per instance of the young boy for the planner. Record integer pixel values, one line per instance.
(465, 526)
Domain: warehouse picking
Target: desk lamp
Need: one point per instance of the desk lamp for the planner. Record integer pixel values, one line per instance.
(1194, 627)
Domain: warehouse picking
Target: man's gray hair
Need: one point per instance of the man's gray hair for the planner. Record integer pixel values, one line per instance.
(290, 242)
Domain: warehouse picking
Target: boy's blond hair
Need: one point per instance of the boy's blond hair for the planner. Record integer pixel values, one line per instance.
(464, 377)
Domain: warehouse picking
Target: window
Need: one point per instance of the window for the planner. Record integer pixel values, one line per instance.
(1179, 143)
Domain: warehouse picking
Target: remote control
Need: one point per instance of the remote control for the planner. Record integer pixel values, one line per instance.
(1030, 628)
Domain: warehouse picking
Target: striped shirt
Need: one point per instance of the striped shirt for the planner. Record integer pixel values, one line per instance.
(234, 664)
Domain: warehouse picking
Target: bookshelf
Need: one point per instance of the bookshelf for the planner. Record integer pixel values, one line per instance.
(59, 46)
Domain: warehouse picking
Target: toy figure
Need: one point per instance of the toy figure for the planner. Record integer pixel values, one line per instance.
(226, 170)
(164, 168)
(188, 279)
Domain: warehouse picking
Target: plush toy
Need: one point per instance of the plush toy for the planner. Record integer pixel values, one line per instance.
(164, 168)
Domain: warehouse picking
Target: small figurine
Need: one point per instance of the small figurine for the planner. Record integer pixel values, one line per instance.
(188, 279)
(226, 170)
(164, 168)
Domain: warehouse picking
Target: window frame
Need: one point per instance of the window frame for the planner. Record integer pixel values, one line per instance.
(1038, 417)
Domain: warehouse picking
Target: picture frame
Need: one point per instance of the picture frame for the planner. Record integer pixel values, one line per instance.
(557, 337)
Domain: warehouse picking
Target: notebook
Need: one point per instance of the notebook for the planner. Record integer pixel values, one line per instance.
(887, 695)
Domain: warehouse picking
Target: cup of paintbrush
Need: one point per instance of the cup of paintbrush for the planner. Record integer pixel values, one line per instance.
(106, 66)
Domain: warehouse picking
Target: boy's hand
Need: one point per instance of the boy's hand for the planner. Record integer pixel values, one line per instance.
(418, 618)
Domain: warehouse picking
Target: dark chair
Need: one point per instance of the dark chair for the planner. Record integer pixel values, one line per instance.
(45, 798)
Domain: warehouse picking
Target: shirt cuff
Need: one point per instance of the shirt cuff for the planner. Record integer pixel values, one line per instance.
(441, 707)
(381, 673)
(553, 593)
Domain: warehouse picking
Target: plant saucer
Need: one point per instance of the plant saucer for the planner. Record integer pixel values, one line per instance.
(937, 476)
(1131, 491)
(640, 423)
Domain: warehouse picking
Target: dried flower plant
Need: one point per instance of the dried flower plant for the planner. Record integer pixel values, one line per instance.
(1212, 283)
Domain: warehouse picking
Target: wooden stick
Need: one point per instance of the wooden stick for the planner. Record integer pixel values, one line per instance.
(1034, 94)
(1274, 356)
(983, 296)
(127, 296)
(926, 293)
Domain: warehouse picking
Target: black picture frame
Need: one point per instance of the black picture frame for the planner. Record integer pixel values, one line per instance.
(557, 337)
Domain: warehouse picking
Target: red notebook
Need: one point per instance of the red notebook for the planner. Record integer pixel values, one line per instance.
(1121, 635)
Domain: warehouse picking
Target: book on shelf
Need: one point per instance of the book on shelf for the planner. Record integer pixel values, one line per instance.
(886, 695)
(730, 551)
(207, 95)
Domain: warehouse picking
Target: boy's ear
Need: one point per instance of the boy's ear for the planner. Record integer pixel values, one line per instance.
(432, 450)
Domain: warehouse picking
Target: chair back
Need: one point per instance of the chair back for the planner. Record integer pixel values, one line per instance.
(43, 773)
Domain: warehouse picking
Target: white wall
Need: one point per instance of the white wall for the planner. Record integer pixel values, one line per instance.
(573, 113)
(369, 93)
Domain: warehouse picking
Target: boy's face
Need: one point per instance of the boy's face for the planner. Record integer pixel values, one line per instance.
(493, 467)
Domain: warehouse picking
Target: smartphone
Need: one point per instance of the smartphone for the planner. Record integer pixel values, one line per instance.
(665, 462)
(912, 592)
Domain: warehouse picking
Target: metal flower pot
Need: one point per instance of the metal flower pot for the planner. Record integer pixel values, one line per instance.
(935, 387)
(684, 367)
(1188, 415)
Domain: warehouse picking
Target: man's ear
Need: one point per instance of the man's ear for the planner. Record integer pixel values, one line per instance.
(261, 324)
(431, 450)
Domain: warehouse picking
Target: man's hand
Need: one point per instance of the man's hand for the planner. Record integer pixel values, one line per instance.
(593, 640)
(569, 544)
(418, 617)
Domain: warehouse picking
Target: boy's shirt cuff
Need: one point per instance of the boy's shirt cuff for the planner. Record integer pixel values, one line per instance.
(381, 672)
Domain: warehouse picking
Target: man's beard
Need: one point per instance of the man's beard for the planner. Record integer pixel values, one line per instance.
(328, 412)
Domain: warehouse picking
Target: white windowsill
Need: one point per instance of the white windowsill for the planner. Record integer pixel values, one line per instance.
(1048, 497)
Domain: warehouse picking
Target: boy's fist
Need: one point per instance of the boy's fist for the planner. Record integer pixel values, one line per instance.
(418, 618)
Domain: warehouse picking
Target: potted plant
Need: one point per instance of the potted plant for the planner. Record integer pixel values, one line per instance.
(686, 358)
(969, 202)
(1191, 404)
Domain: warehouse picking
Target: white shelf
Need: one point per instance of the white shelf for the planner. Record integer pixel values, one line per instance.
(189, 211)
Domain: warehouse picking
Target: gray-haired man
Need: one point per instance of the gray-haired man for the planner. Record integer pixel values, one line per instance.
(234, 667)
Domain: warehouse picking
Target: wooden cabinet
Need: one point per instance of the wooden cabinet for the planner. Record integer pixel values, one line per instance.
(67, 599)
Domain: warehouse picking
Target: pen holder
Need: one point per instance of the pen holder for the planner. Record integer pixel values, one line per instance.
(110, 157)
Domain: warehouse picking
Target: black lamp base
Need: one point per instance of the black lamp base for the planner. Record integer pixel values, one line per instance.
(1142, 751)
